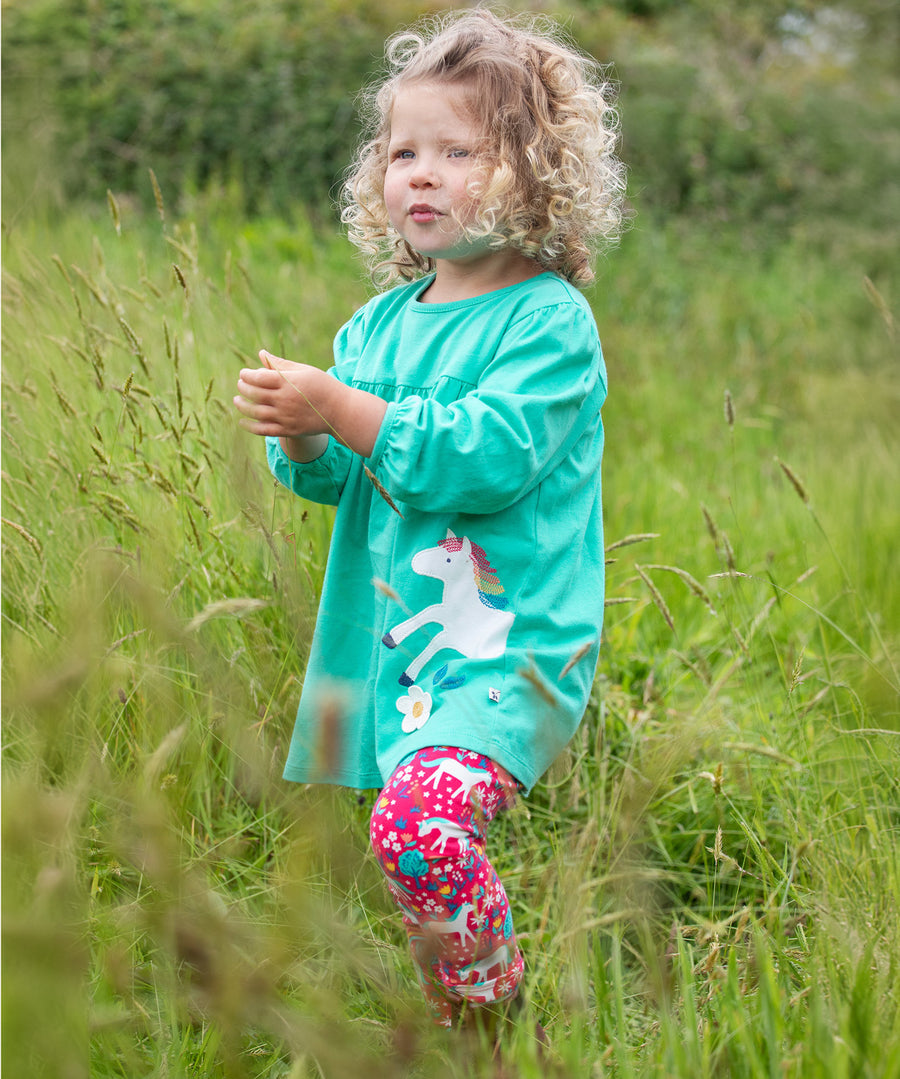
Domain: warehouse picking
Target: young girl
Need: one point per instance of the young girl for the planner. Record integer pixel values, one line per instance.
(459, 435)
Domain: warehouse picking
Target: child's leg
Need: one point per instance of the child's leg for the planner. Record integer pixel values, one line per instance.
(427, 832)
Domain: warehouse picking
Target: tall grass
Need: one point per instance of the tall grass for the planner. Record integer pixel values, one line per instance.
(706, 884)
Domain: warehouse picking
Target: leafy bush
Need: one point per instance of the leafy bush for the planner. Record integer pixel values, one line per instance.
(728, 110)
(201, 93)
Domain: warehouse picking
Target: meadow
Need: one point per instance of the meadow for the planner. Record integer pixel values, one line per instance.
(707, 883)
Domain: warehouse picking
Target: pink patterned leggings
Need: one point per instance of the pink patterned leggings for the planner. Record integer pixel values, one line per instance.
(427, 832)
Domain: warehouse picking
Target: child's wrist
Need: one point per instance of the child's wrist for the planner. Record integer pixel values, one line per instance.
(302, 449)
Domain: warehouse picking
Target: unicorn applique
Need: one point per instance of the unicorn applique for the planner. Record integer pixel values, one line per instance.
(473, 612)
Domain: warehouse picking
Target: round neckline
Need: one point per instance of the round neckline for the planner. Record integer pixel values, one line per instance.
(455, 305)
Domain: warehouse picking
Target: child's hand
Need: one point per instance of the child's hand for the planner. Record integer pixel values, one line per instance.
(284, 399)
(302, 405)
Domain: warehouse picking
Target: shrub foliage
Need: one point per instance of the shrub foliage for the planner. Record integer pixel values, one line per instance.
(741, 111)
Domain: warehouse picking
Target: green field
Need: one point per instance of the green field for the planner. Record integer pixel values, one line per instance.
(706, 884)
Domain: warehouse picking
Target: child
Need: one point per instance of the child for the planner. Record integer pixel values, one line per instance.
(459, 436)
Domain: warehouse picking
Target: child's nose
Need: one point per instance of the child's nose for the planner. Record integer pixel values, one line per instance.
(423, 175)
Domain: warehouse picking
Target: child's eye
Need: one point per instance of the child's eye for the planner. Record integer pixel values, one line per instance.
(403, 155)
(459, 152)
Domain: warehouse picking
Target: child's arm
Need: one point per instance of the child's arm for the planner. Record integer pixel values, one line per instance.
(481, 453)
(302, 406)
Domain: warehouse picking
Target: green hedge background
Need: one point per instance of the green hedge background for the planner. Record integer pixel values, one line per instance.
(765, 112)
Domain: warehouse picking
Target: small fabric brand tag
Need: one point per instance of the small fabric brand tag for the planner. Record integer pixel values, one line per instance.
(493, 694)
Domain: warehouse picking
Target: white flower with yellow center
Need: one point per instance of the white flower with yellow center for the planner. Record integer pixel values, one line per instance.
(416, 709)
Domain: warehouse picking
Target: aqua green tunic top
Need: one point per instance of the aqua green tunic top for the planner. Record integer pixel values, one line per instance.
(473, 620)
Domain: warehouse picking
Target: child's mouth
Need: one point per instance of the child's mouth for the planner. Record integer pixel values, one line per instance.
(423, 214)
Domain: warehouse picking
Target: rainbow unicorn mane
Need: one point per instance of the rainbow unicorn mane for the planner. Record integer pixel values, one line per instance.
(490, 591)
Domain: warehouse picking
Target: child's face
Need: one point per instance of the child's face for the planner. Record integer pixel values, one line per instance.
(432, 154)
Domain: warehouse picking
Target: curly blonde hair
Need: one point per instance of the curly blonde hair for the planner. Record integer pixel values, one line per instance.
(550, 185)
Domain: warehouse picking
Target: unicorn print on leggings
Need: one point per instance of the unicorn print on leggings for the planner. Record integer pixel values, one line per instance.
(473, 613)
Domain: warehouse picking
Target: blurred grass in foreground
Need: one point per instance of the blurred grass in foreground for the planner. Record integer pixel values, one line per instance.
(708, 881)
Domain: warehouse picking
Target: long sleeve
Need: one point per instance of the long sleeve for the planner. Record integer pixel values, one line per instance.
(483, 452)
(321, 480)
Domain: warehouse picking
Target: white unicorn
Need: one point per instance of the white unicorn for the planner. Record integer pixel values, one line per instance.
(466, 777)
(472, 613)
(500, 958)
(446, 830)
(458, 924)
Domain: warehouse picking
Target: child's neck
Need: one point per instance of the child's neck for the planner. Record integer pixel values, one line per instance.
(464, 279)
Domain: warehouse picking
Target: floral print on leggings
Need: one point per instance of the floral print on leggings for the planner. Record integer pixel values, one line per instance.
(427, 832)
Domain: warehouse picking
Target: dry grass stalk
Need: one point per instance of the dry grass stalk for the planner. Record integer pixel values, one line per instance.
(744, 646)
(157, 195)
(134, 341)
(148, 284)
(115, 509)
(184, 250)
(656, 596)
(726, 551)
(92, 287)
(795, 480)
(381, 489)
(60, 265)
(795, 674)
(198, 543)
(226, 608)
(65, 404)
(100, 454)
(711, 526)
(762, 751)
(576, 657)
(729, 408)
(692, 583)
(700, 672)
(533, 676)
(881, 306)
(32, 541)
(179, 277)
(626, 541)
(385, 589)
(114, 210)
(761, 616)
(330, 743)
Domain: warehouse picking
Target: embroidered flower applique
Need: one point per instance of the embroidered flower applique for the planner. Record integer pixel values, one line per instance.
(416, 709)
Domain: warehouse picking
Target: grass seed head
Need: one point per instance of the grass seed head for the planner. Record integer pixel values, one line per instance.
(656, 596)
(381, 489)
(32, 541)
(157, 195)
(385, 589)
(532, 675)
(881, 306)
(627, 541)
(114, 211)
(711, 526)
(795, 481)
(179, 277)
(729, 408)
(576, 657)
